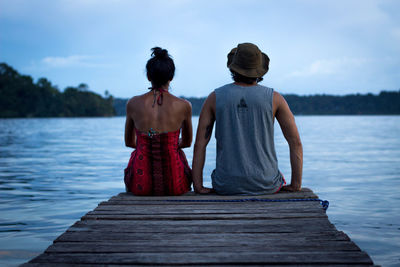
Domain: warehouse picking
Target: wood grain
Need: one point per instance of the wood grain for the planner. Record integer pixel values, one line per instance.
(143, 231)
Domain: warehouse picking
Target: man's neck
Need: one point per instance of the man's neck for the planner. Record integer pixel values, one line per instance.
(245, 84)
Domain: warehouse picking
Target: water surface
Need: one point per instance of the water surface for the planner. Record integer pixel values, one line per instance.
(53, 171)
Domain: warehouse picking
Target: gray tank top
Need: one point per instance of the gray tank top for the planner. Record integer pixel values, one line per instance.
(246, 160)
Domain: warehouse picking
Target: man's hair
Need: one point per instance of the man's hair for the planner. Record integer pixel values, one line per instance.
(243, 79)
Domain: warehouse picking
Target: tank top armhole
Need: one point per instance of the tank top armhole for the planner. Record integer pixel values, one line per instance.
(269, 95)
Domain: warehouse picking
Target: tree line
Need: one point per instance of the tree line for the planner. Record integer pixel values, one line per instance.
(22, 97)
(384, 103)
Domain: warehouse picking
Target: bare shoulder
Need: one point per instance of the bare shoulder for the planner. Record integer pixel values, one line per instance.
(279, 104)
(134, 102)
(186, 103)
(212, 96)
(278, 97)
(211, 99)
(279, 100)
(209, 104)
(187, 106)
(183, 103)
(131, 101)
(134, 99)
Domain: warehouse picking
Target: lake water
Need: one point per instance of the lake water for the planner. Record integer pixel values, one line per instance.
(53, 171)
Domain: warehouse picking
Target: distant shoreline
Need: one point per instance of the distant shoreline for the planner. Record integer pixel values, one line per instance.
(197, 115)
(384, 103)
(21, 97)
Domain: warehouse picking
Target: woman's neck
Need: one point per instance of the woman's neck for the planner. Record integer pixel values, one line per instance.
(164, 87)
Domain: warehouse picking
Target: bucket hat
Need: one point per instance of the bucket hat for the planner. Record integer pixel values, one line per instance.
(248, 60)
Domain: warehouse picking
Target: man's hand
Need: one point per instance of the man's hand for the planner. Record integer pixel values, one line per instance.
(291, 188)
(204, 190)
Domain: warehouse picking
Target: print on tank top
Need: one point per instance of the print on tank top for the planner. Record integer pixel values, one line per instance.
(242, 106)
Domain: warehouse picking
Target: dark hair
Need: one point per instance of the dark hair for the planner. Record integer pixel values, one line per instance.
(160, 67)
(243, 79)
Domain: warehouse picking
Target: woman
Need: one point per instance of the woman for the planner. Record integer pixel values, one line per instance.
(154, 120)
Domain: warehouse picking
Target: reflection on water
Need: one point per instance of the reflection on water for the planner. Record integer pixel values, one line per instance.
(53, 171)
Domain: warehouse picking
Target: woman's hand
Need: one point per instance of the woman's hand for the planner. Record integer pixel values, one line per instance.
(204, 190)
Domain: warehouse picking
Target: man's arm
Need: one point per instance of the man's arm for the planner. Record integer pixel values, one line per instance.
(187, 131)
(203, 136)
(289, 129)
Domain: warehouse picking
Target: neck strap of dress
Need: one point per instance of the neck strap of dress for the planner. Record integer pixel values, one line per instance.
(159, 98)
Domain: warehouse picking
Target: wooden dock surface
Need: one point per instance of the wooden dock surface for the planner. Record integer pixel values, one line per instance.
(133, 230)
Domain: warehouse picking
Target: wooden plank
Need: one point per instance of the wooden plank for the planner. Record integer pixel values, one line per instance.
(191, 265)
(214, 208)
(88, 236)
(270, 206)
(204, 215)
(211, 229)
(200, 222)
(189, 217)
(206, 229)
(42, 264)
(131, 202)
(343, 257)
(210, 209)
(207, 226)
(200, 246)
(310, 235)
(137, 230)
(206, 237)
(285, 195)
(240, 214)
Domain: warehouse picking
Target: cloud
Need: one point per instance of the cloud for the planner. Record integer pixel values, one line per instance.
(317, 43)
(328, 67)
(72, 61)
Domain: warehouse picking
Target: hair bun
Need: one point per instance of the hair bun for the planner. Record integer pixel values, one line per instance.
(158, 52)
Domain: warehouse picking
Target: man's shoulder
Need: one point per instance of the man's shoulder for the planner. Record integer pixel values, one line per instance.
(224, 87)
(232, 86)
(265, 87)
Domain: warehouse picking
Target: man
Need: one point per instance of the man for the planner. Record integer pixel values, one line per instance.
(244, 112)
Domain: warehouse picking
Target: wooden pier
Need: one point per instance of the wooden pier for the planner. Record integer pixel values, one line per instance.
(133, 230)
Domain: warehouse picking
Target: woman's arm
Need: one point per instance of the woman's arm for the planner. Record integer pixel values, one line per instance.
(187, 129)
(203, 136)
(130, 135)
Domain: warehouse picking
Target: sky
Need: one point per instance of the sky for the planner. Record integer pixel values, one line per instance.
(315, 47)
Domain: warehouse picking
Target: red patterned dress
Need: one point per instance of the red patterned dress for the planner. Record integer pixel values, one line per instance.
(158, 166)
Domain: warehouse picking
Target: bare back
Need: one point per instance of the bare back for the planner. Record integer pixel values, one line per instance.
(144, 113)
